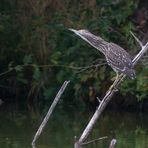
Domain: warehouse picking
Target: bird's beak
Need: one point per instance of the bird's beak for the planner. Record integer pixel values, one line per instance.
(73, 30)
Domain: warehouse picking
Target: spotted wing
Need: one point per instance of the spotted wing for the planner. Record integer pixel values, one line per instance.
(118, 58)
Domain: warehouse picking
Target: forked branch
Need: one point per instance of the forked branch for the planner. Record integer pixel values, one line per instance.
(108, 96)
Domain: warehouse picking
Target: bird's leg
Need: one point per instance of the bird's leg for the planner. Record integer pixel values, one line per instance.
(113, 85)
(117, 75)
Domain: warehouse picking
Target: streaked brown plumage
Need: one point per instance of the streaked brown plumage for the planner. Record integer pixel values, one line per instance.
(115, 55)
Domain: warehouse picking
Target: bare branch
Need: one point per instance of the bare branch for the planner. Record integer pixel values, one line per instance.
(82, 68)
(53, 105)
(91, 66)
(140, 54)
(6, 72)
(98, 99)
(95, 140)
(107, 99)
(139, 42)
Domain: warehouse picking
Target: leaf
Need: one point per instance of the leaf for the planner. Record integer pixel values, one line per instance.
(27, 59)
(18, 68)
(10, 65)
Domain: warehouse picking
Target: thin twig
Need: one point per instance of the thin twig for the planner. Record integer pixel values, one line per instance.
(53, 105)
(6, 72)
(140, 54)
(54, 65)
(139, 42)
(90, 66)
(98, 99)
(95, 140)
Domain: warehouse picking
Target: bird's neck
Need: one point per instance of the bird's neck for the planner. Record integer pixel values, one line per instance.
(95, 41)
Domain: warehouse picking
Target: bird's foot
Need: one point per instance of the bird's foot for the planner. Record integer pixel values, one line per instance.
(113, 79)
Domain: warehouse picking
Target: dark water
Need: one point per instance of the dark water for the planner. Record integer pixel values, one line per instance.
(17, 129)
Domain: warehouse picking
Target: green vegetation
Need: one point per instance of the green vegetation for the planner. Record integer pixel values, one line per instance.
(38, 52)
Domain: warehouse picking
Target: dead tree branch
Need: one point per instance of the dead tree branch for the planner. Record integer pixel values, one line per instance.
(108, 97)
(53, 105)
(95, 140)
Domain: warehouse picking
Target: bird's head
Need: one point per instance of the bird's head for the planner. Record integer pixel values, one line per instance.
(92, 39)
(83, 33)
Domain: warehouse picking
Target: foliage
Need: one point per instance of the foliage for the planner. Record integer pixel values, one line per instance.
(38, 52)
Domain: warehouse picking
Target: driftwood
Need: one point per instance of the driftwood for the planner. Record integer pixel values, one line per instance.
(109, 94)
(53, 105)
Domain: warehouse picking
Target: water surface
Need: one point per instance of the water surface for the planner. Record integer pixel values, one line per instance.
(17, 128)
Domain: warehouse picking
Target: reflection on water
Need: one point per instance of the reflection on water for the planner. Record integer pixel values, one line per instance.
(17, 129)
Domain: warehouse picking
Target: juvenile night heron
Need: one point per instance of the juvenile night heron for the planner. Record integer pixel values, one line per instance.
(116, 56)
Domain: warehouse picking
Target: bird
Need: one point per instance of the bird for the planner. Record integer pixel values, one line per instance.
(117, 58)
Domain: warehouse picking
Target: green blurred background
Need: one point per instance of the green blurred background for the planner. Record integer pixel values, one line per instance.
(38, 53)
